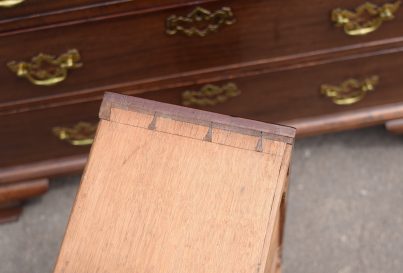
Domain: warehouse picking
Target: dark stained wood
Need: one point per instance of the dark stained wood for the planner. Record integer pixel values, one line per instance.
(395, 126)
(36, 7)
(10, 214)
(46, 168)
(28, 137)
(285, 96)
(277, 53)
(41, 14)
(295, 94)
(305, 127)
(346, 120)
(128, 57)
(292, 17)
(44, 162)
(188, 79)
(23, 190)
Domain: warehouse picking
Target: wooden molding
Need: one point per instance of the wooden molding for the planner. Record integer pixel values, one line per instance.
(23, 190)
(349, 120)
(43, 169)
(395, 126)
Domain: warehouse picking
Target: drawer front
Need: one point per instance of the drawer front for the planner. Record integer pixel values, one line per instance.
(15, 8)
(137, 49)
(16, 15)
(275, 97)
(47, 134)
(301, 93)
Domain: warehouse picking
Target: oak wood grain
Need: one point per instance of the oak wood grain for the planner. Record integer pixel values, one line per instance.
(155, 200)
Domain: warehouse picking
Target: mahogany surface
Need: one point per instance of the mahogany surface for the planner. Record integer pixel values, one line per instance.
(128, 55)
(295, 94)
(395, 126)
(42, 14)
(277, 53)
(19, 191)
(28, 137)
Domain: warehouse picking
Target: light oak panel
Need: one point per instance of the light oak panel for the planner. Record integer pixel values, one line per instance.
(156, 201)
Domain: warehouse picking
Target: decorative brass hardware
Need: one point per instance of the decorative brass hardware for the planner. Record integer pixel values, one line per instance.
(367, 18)
(200, 22)
(10, 3)
(81, 134)
(47, 70)
(350, 91)
(210, 95)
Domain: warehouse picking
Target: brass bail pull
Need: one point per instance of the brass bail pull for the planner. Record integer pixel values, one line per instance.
(365, 19)
(47, 70)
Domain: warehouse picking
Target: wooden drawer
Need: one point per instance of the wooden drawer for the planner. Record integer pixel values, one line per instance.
(296, 94)
(274, 97)
(28, 137)
(137, 49)
(18, 9)
(23, 15)
(15, 8)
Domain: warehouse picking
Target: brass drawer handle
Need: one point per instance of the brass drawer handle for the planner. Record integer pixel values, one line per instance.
(81, 134)
(47, 70)
(10, 3)
(200, 22)
(350, 91)
(365, 19)
(210, 95)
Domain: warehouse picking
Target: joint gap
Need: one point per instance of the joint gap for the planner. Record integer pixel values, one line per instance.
(259, 145)
(209, 136)
(153, 124)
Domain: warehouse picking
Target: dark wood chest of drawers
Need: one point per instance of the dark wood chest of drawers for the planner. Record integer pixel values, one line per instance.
(321, 66)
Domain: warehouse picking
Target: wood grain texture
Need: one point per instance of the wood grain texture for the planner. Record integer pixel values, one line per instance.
(43, 14)
(154, 201)
(287, 95)
(27, 138)
(191, 79)
(120, 62)
(22, 190)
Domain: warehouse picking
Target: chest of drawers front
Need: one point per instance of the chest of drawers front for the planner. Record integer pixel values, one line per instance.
(321, 66)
